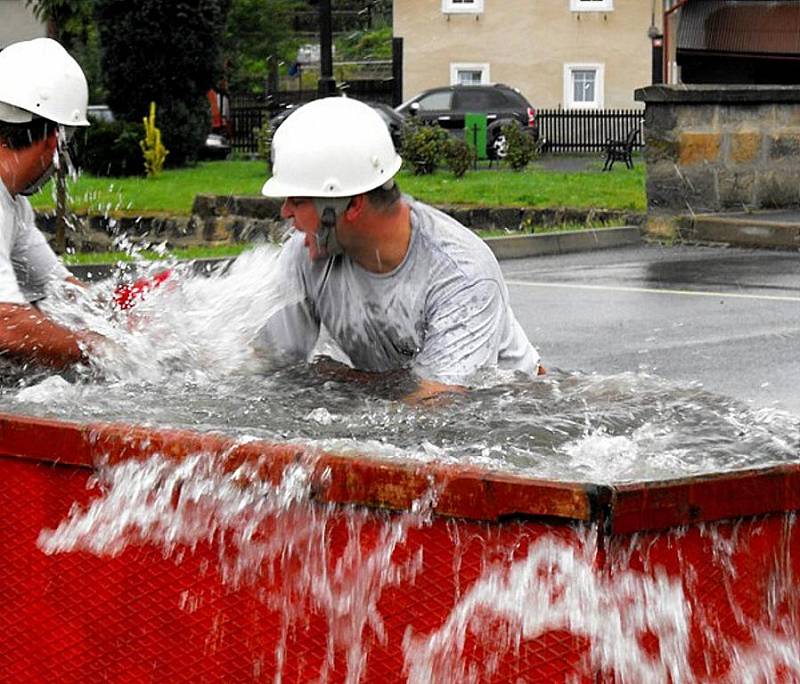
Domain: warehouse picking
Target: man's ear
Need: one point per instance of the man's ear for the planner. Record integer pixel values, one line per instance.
(356, 207)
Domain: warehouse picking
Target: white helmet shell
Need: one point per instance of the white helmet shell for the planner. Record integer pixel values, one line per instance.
(333, 147)
(39, 77)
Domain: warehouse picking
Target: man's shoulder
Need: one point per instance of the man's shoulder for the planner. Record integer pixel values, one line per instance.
(447, 240)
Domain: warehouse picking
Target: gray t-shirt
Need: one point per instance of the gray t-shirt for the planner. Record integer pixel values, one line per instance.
(443, 312)
(27, 264)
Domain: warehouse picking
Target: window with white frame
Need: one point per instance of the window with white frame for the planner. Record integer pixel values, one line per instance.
(591, 5)
(469, 74)
(583, 86)
(462, 6)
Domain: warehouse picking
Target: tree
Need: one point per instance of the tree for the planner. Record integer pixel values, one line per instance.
(71, 23)
(167, 52)
(67, 20)
(256, 31)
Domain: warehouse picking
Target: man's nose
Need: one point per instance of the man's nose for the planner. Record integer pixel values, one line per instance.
(286, 209)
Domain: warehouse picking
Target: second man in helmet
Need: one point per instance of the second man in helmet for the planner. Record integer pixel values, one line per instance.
(397, 284)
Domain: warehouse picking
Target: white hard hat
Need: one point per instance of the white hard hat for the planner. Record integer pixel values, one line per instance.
(39, 77)
(333, 147)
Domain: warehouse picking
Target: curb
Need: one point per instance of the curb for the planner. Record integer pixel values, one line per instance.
(758, 231)
(520, 246)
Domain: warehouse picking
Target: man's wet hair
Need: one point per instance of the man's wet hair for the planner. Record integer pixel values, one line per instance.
(383, 199)
(18, 136)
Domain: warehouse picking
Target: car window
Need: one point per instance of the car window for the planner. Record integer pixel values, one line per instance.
(440, 100)
(472, 100)
(515, 99)
(497, 100)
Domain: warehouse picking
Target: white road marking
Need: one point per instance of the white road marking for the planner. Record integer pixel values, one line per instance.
(652, 290)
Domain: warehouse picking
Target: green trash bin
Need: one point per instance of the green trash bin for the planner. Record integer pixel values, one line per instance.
(475, 126)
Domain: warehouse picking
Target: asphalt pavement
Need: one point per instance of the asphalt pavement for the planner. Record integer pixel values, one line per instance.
(726, 318)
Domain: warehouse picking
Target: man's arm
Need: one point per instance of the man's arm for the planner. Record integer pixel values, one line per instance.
(425, 391)
(28, 335)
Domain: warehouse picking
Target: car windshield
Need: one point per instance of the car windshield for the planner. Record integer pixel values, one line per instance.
(440, 100)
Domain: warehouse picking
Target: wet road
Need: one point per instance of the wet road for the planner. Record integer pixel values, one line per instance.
(726, 318)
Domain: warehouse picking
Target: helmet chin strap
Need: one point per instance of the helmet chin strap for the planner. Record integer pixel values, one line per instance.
(329, 210)
(39, 183)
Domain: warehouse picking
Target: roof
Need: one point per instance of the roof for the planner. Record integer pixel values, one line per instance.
(744, 27)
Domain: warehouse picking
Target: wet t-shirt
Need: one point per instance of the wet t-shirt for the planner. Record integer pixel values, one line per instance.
(27, 264)
(443, 312)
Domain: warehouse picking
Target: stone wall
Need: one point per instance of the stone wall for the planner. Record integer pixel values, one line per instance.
(222, 219)
(712, 148)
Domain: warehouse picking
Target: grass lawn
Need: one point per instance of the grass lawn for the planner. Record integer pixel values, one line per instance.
(199, 252)
(173, 192)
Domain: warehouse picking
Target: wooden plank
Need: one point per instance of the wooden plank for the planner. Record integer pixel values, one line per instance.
(460, 491)
(660, 505)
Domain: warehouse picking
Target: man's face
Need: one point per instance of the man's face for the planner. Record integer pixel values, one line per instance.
(303, 213)
(33, 162)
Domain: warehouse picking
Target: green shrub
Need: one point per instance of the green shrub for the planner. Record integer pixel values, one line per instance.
(109, 148)
(165, 51)
(521, 147)
(459, 156)
(422, 146)
(264, 141)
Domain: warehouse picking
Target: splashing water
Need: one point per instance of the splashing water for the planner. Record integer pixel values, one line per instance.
(306, 559)
(264, 532)
(190, 329)
(557, 587)
(184, 357)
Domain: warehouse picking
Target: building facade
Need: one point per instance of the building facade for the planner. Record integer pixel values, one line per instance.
(18, 23)
(573, 54)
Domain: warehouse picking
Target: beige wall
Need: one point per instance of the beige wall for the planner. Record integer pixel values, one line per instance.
(526, 44)
(18, 23)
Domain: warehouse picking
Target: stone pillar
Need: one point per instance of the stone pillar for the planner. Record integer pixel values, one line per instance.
(720, 148)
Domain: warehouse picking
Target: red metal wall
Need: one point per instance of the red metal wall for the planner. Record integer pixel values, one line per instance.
(146, 617)
(75, 618)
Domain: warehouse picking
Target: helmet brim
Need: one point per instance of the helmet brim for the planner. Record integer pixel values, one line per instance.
(274, 187)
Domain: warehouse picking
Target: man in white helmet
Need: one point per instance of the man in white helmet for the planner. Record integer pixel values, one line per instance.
(397, 284)
(43, 92)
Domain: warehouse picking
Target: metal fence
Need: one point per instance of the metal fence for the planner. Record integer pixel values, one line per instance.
(568, 131)
(248, 114)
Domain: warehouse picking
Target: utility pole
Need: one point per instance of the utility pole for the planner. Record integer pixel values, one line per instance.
(61, 202)
(326, 85)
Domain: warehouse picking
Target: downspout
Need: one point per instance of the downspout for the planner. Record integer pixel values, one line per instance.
(667, 15)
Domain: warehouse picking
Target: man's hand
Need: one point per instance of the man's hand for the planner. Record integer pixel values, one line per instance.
(28, 335)
(432, 393)
(427, 392)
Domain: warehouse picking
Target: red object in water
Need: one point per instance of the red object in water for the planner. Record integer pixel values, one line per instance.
(143, 616)
(127, 295)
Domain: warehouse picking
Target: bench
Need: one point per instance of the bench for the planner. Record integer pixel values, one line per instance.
(620, 150)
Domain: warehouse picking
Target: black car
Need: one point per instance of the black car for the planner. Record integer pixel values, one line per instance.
(392, 119)
(447, 106)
